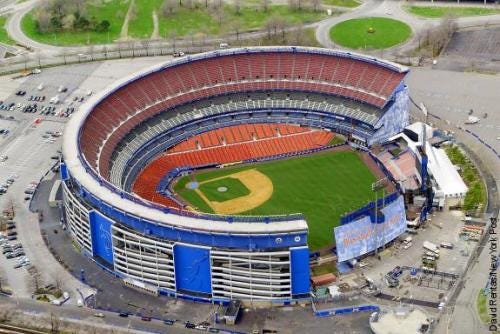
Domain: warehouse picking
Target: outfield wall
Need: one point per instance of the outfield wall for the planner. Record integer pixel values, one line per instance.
(365, 234)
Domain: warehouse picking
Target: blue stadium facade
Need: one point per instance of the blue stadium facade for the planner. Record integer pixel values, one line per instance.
(200, 256)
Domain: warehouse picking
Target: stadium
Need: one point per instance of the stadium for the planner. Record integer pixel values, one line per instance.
(214, 176)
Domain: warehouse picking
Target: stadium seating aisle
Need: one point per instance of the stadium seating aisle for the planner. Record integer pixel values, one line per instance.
(293, 139)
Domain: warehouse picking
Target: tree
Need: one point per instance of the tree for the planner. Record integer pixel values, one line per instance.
(316, 4)
(2, 282)
(237, 6)
(173, 38)
(35, 280)
(58, 278)
(5, 312)
(169, 7)
(274, 23)
(55, 322)
(265, 5)
(68, 22)
(236, 28)
(219, 12)
(103, 26)
(42, 20)
(297, 35)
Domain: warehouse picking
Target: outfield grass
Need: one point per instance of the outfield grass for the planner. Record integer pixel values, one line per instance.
(4, 37)
(435, 12)
(355, 33)
(234, 189)
(342, 3)
(113, 10)
(323, 187)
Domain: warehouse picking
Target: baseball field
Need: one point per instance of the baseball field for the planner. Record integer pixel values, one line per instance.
(323, 187)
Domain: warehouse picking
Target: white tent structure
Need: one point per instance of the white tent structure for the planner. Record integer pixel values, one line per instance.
(444, 173)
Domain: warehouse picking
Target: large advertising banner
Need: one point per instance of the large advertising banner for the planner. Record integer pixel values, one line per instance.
(100, 230)
(362, 236)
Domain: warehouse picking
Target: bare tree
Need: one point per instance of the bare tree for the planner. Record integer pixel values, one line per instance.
(2, 282)
(273, 24)
(169, 7)
(316, 5)
(236, 28)
(173, 38)
(237, 6)
(5, 312)
(35, 281)
(68, 22)
(219, 12)
(43, 18)
(295, 4)
(59, 280)
(265, 5)
(55, 322)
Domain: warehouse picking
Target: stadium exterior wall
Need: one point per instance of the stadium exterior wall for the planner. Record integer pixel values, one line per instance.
(211, 267)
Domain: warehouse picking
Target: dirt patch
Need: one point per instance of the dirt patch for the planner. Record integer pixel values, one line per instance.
(259, 185)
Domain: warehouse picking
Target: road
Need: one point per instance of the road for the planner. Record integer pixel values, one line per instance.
(35, 314)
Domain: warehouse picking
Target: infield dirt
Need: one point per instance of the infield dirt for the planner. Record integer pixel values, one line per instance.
(259, 185)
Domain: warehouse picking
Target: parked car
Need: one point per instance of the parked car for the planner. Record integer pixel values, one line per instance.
(169, 322)
(145, 318)
(189, 324)
(123, 314)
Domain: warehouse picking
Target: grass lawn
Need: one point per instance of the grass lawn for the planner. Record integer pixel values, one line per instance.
(234, 189)
(200, 21)
(4, 37)
(322, 186)
(434, 12)
(342, 3)
(306, 38)
(476, 195)
(113, 10)
(141, 25)
(482, 307)
(355, 33)
(325, 268)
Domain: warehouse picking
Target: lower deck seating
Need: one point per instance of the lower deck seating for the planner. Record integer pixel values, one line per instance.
(217, 147)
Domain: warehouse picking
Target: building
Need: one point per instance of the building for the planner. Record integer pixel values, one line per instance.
(169, 250)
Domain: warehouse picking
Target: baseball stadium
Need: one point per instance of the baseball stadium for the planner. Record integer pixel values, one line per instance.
(216, 176)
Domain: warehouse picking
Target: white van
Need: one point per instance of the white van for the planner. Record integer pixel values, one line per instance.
(223, 46)
(407, 240)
